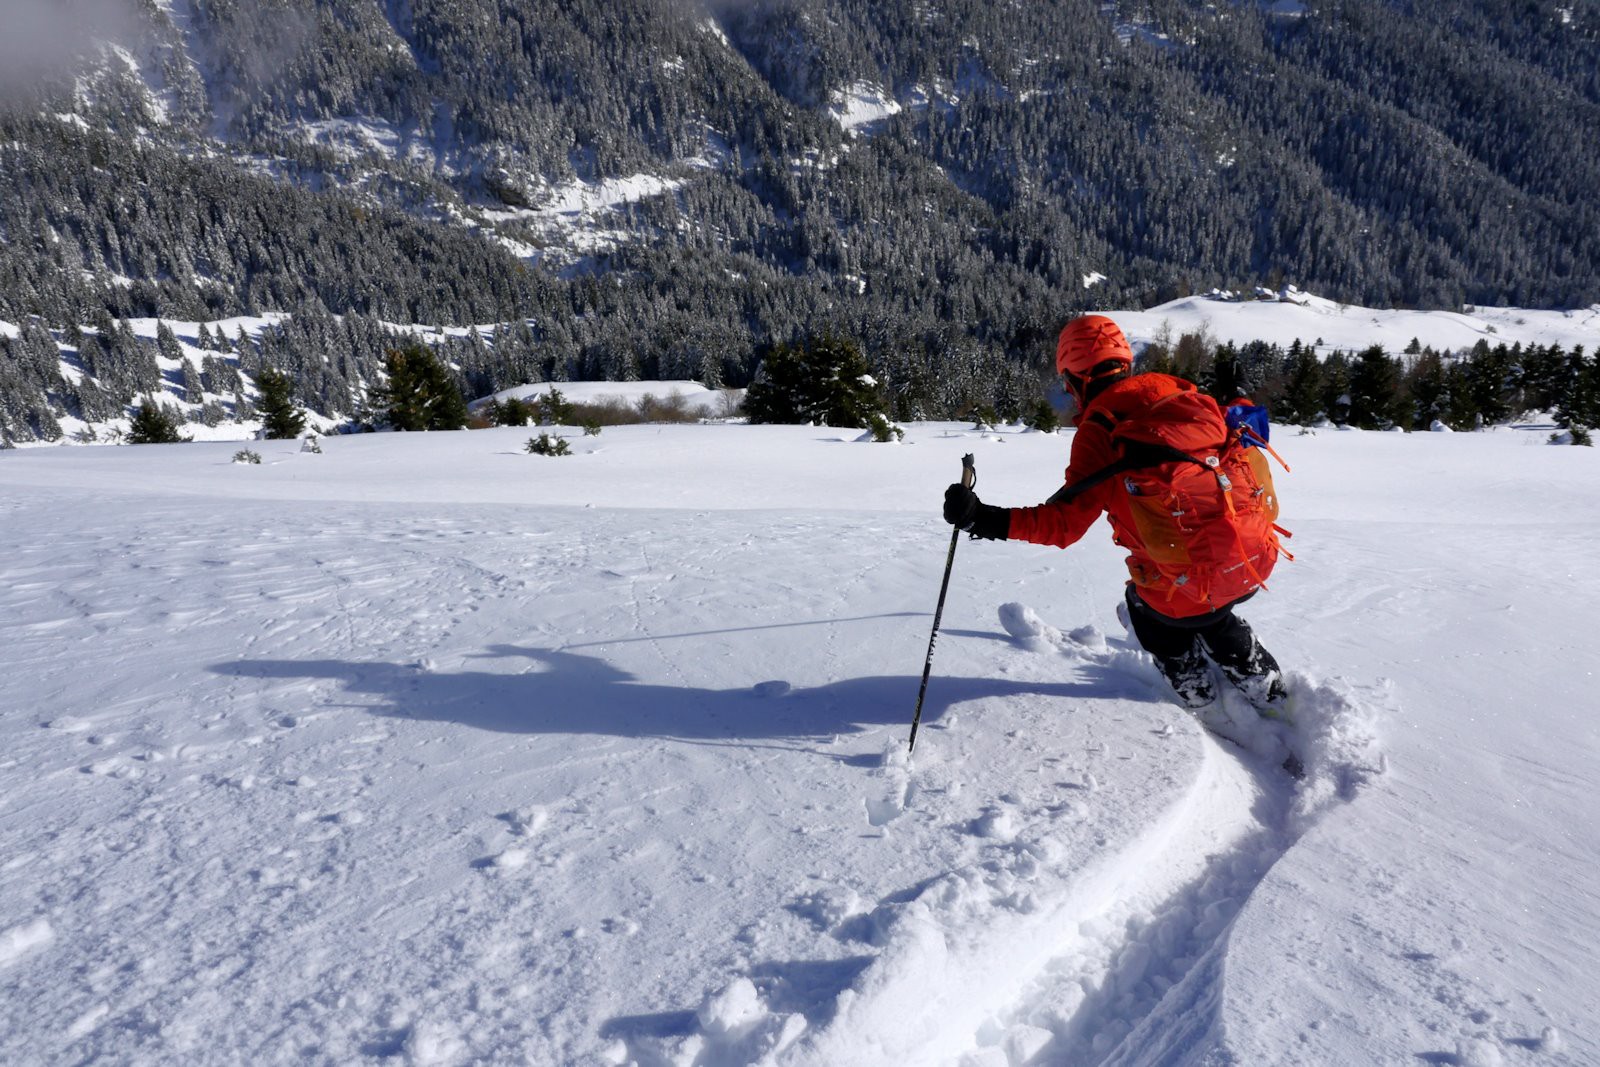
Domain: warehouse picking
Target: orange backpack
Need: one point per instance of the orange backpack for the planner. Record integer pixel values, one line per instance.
(1200, 496)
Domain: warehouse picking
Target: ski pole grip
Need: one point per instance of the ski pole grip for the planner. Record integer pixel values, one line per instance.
(969, 471)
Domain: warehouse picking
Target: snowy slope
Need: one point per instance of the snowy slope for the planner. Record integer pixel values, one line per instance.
(1328, 326)
(429, 750)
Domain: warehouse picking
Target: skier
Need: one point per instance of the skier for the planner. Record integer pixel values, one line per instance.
(1188, 575)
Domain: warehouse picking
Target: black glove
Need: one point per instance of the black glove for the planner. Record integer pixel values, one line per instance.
(963, 509)
(960, 505)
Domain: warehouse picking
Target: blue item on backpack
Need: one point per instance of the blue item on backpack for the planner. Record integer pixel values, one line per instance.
(1251, 416)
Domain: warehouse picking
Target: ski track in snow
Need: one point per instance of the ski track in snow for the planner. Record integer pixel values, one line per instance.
(1029, 954)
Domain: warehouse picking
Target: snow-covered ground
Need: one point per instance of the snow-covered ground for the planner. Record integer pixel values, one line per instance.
(861, 106)
(571, 215)
(695, 397)
(427, 750)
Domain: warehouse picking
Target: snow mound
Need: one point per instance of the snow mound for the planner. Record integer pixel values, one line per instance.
(18, 941)
(1024, 624)
(1033, 957)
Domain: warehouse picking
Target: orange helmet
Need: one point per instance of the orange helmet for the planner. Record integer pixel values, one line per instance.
(1088, 342)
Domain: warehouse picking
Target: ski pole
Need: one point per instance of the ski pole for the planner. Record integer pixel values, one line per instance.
(969, 478)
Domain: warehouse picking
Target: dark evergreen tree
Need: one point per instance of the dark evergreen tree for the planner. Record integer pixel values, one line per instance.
(1490, 382)
(154, 424)
(1579, 400)
(421, 393)
(281, 418)
(1335, 398)
(512, 412)
(167, 343)
(1305, 386)
(1376, 401)
(1042, 416)
(825, 381)
(1463, 412)
(1429, 389)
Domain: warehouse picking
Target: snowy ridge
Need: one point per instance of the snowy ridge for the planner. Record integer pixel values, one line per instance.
(1293, 315)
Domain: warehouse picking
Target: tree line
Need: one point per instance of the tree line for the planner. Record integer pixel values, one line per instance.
(1420, 388)
(360, 373)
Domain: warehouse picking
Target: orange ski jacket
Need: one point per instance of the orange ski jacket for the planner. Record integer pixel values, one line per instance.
(1178, 591)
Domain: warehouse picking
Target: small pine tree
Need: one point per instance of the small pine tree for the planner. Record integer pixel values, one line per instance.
(826, 381)
(167, 343)
(1334, 400)
(153, 424)
(1042, 416)
(883, 431)
(193, 383)
(554, 409)
(545, 445)
(1300, 401)
(1578, 396)
(513, 411)
(421, 393)
(280, 418)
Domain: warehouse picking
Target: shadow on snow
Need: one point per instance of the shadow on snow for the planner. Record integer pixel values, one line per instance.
(565, 692)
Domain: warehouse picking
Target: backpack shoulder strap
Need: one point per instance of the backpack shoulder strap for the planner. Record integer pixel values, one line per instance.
(1132, 455)
(1136, 455)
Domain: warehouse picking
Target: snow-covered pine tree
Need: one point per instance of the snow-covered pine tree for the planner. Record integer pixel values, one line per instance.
(281, 418)
(154, 424)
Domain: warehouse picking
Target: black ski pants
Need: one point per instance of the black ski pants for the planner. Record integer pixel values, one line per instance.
(1226, 637)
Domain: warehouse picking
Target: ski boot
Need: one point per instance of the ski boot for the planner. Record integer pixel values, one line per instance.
(1267, 693)
(1190, 678)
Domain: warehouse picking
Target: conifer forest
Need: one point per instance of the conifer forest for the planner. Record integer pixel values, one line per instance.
(678, 189)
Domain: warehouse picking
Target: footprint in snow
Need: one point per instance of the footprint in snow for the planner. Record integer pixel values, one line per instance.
(996, 823)
(512, 859)
(525, 822)
(898, 788)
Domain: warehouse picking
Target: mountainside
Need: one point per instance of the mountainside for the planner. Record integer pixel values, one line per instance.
(660, 188)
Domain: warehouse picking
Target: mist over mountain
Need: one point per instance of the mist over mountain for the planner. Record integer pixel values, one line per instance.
(663, 188)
